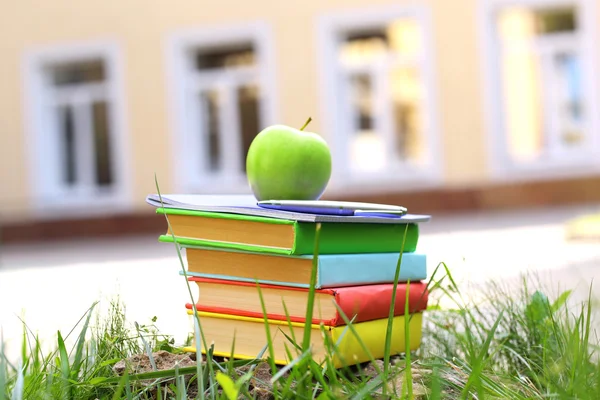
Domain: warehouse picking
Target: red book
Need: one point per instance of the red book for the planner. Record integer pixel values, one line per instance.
(365, 303)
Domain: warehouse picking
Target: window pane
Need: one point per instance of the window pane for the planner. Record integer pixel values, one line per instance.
(364, 46)
(516, 24)
(67, 136)
(366, 146)
(248, 107)
(400, 37)
(522, 85)
(392, 50)
(102, 143)
(520, 22)
(523, 105)
(81, 72)
(362, 99)
(209, 101)
(407, 95)
(555, 20)
(405, 37)
(568, 70)
(238, 56)
(541, 83)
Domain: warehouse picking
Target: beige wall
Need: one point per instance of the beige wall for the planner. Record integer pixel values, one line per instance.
(141, 28)
(459, 80)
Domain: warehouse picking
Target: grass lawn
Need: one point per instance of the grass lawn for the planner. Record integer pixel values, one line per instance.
(511, 345)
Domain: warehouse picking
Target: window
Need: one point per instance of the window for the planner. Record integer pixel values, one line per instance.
(80, 110)
(224, 98)
(544, 110)
(76, 127)
(381, 96)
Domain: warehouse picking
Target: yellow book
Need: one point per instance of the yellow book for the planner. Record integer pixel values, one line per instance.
(250, 338)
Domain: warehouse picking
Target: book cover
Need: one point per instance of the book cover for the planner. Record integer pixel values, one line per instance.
(260, 234)
(245, 337)
(357, 303)
(333, 270)
(246, 205)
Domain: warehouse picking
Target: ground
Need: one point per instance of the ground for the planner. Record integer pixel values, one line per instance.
(51, 285)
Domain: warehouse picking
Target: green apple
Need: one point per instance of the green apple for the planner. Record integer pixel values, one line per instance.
(284, 163)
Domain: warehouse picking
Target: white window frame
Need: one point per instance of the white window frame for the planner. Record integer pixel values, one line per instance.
(49, 200)
(563, 165)
(188, 176)
(337, 126)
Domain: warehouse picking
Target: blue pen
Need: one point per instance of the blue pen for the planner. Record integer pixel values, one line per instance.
(340, 208)
(378, 214)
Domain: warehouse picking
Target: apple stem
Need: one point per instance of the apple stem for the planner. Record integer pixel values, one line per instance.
(306, 123)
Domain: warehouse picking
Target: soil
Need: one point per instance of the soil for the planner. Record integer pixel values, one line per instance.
(140, 363)
(164, 360)
(259, 387)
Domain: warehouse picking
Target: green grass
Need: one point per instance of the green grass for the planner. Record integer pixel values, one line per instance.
(511, 344)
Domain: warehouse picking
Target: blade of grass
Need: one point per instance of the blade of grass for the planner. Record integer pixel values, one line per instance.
(181, 389)
(267, 330)
(17, 393)
(292, 342)
(34, 381)
(475, 376)
(146, 346)
(289, 321)
(332, 351)
(408, 378)
(228, 385)
(306, 340)
(120, 387)
(197, 325)
(199, 373)
(369, 388)
(77, 362)
(231, 354)
(311, 291)
(128, 388)
(3, 366)
(388, 333)
(327, 386)
(169, 373)
(436, 385)
(64, 365)
(289, 366)
(362, 344)
(24, 356)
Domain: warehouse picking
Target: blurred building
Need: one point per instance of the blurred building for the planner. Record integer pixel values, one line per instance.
(437, 105)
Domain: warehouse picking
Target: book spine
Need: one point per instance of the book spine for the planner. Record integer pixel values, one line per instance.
(363, 269)
(371, 333)
(358, 238)
(406, 335)
(335, 238)
(359, 304)
(335, 271)
(371, 302)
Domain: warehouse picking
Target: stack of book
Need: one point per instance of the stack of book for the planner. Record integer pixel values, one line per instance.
(234, 248)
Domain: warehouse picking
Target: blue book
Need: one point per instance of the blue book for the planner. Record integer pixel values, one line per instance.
(333, 270)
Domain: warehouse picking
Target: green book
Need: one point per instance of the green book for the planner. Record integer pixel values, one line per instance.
(242, 225)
